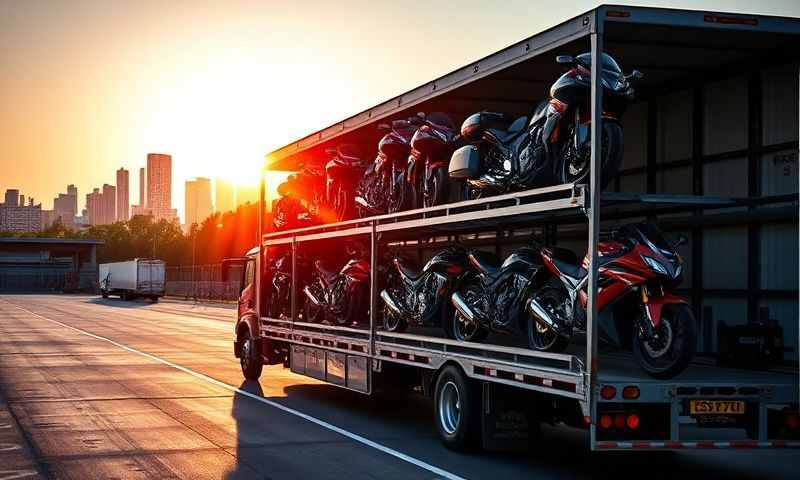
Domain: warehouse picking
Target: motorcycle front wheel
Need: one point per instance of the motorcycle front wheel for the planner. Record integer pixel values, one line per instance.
(671, 348)
(397, 194)
(574, 164)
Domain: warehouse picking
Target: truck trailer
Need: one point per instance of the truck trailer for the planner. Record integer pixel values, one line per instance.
(711, 151)
(137, 278)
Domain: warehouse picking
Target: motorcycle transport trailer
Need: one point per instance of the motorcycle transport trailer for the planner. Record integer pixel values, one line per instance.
(711, 151)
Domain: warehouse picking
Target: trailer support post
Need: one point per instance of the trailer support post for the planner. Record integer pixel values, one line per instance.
(595, 186)
(373, 286)
(260, 210)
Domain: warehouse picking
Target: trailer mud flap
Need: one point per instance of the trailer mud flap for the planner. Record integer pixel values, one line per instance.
(508, 420)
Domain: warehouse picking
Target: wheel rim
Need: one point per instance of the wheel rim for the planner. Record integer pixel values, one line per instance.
(391, 321)
(464, 328)
(658, 346)
(449, 408)
(245, 360)
(542, 337)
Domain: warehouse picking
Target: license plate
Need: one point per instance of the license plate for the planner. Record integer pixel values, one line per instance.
(716, 407)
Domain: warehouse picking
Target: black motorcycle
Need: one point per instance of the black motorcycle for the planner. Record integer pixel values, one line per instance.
(431, 148)
(422, 296)
(492, 296)
(343, 173)
(377, 187)
(339, 297)
(555, 145)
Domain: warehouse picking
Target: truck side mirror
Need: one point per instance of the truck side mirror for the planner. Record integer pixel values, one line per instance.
(565, 59)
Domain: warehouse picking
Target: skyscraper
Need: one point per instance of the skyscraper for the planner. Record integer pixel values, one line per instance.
(123, 202)
(197, 200)
(12, 198)
(93, 207)
(109, 204)
(223, 196)
(142, 188)
(72, 191)
(159, 186)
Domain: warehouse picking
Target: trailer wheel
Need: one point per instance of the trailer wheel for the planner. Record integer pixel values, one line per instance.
(457, 410)
(104, 294)
(250, 360)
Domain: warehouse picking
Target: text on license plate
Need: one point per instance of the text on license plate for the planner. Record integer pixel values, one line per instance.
(728, 407)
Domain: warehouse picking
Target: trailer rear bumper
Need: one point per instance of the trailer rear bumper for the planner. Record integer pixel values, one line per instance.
(739, 444)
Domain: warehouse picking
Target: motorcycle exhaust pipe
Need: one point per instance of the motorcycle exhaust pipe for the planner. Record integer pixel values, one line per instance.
(462, 307)
(311, 297)
(390, 302)
(542, 316)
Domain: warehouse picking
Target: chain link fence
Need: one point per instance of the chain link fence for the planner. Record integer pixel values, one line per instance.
(204, 282)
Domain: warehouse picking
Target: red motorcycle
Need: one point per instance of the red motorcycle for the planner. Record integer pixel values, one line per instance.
(638, 270)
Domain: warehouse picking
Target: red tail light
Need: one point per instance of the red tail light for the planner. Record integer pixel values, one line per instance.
(730, 20)
(630, 392)
(619, 421)
(633, 421)
(793, 421)
(605, 421)
(618, 14)
(608, 392)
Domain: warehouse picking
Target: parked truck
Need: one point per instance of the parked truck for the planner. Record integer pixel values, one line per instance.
(137, 278)
(710, 151)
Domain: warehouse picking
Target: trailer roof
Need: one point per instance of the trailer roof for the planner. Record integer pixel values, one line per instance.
(667, 44)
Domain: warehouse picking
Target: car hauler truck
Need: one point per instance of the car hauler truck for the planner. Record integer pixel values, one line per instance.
(710, 151)
(140, 277)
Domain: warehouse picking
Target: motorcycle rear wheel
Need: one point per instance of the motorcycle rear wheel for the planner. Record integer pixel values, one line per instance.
(572, 169)
(461, 327)
(393, 322)
(661, 359)
(545, 339)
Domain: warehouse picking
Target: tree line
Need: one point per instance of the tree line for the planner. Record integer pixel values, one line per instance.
(222, 235)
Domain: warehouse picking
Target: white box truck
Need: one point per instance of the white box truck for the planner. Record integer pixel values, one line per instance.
(134, 278)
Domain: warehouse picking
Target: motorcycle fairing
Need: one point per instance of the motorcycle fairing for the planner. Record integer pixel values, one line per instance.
(655, 305)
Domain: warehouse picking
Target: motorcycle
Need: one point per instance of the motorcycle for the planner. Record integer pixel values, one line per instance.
(289, 211)
(339, 297)
(342, 173)
(421, 296)
(381, 176)
(431, 147)
(638, 270)
(492, 296)
(555, 145)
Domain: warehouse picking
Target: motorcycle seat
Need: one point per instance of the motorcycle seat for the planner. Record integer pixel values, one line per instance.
(485, 262)
(507, 136)
(325, 272)
(566, 262)
(349, 154)
(406, 270)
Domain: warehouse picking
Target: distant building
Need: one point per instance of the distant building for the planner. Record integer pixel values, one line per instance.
(197, 200)
(159, 186)
(123, 199)
(12, 198)
(94, 201)
(65, 208)
(224, 200)
(142, 187)
(109, 203)
(17, 217)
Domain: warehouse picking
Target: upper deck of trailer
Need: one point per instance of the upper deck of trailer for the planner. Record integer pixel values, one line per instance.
(672, 47)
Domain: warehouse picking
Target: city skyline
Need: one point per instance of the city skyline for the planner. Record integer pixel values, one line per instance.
(220, 87)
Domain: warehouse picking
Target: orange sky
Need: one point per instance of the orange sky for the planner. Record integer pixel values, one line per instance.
(89, 86)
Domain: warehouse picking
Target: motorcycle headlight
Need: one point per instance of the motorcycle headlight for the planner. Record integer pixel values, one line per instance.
(655, 265)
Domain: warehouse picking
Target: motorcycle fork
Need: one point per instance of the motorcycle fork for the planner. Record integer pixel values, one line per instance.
(646, 329)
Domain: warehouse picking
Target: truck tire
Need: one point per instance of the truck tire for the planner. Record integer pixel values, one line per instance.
(250, 360)
(104, 294)
(154, 299)
(457, 410)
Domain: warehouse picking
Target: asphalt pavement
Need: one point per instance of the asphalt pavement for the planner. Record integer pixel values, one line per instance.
(94, 388)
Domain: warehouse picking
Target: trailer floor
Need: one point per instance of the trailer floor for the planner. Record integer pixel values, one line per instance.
(104, 388)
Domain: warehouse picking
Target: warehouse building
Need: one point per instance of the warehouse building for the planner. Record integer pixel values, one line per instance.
(48, 264)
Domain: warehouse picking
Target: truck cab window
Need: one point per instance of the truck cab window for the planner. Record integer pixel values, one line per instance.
(249, 273)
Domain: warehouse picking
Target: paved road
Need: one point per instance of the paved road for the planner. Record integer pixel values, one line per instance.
(93, 388)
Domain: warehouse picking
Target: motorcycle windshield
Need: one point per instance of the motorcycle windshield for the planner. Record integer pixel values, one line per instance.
(650, 233)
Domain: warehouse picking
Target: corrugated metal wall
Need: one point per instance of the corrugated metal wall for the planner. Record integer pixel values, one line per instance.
(735, 158)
